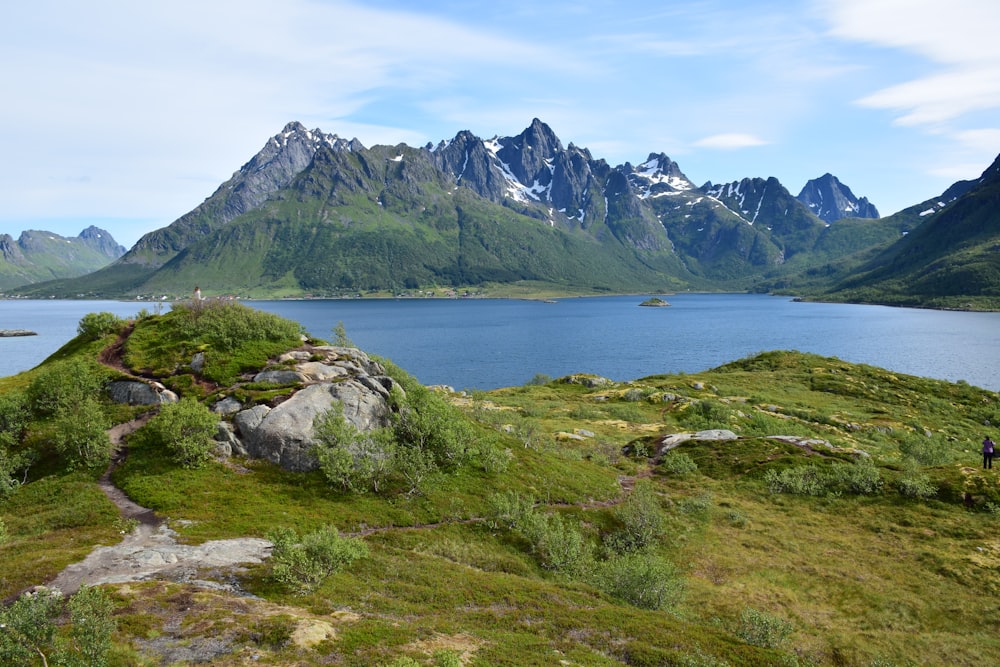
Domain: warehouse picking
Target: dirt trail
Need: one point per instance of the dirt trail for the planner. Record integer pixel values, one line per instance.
(151, 550)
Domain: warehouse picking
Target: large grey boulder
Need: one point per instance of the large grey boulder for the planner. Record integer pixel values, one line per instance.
(284, 434)
(133, 392)
(280, 377)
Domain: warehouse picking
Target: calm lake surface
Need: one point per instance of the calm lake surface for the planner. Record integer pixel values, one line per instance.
(487, 343)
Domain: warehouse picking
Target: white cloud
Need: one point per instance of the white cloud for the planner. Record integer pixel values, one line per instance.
(960, 41)
(730, 141)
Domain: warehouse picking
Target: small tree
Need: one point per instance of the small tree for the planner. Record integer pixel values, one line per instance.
(340, 338)
(305, 563)
(186, 429)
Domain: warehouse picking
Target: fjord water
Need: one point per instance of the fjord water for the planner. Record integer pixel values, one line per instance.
(489, 343)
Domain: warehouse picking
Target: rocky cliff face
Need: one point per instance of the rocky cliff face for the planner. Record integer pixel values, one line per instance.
(283, 157)
(831, 200)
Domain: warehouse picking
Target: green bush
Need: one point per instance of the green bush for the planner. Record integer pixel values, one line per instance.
(422, 418)
(643, 580)
(706, 414)
(800, 480)
(14, 416)
(94, 326)
(914, 483)
(862, 478)
(446, 658)
(185, 429)
(303, 564)
(508, 510)
(678, 463)
(759, 628)
(227, 325)
(350, 459)
(28, 629)
(64, 384)
(80, 435)
(555, 541)
(92, 622)
(640, 519)
(928, 451)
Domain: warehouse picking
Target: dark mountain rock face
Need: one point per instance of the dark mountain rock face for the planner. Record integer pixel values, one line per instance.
(283, 157)
(831, 200)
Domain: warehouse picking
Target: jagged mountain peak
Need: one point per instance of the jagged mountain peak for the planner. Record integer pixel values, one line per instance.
(831, 200)
(656, 177)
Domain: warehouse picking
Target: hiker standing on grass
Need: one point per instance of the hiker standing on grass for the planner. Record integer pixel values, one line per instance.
(987, 453)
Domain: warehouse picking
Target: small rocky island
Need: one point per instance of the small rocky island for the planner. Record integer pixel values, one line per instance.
(654, 302)
(7, 333)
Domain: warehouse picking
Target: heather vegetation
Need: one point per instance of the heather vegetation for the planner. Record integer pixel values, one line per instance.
(532, 525)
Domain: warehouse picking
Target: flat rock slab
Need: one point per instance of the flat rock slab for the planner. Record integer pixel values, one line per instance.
(7, 333)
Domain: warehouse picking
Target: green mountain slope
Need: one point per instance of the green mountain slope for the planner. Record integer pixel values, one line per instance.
(952, 259)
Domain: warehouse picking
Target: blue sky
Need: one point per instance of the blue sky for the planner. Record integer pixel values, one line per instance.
(129, 114)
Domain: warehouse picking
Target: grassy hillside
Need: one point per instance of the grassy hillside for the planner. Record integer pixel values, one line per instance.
(850, 542)
(948, 261)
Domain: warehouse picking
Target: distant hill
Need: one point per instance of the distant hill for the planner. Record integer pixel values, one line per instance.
(38, 255)
(951, 259)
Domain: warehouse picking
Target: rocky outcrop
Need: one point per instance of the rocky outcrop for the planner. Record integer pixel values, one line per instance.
(134, 392)
(329, 376)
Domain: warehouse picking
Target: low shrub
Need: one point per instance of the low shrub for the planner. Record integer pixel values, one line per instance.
(642, 580)
(303, 564)
(640, 521)
(914, 483)
(185, 429)
(94, 326)
(555, 541)
(507, 510)
(678, 463)
(860, 478)
(762, 629)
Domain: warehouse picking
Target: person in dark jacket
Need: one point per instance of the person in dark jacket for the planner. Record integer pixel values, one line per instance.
(987, 453)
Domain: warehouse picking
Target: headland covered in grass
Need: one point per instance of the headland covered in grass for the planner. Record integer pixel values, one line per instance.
(784, 508)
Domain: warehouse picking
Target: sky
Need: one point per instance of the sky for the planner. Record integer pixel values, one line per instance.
(126, 115)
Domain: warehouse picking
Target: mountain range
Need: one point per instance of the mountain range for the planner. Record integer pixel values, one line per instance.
(36, 256)
(313, 213)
